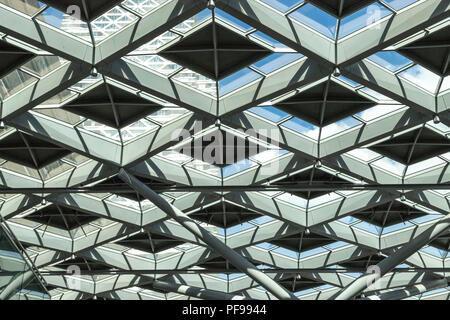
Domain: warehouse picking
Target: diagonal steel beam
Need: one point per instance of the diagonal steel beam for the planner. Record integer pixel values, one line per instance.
(44, 88)
(389, 30)
(411, 291)
(195, 292)
(348, 50)
(396, 258)
(78, 51)
(237, 260)
(44, 36)
(16, 284)
(149, 26)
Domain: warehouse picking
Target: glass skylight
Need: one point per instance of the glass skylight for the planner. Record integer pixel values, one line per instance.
(331, 118)
(316, 19)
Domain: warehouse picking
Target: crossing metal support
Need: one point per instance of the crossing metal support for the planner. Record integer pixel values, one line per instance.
(218, 246)
(15, 285)
(411, 291)
(396, 258)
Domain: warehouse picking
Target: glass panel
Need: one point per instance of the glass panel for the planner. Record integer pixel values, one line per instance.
(282, 5)
(136, 129)
(317, 19)
(237, 167)
(378, 111)
(303, 127)
(25, 6)
(194, 21)
(293, 199)
(390, 60)
(65, 22)
(364, 154)
(269, 113)
(61, 115)
(445, 84)
(237, 80)
(338, 127)
(41, 65)
(276, 61)
(156, 63)
(421, 77)
(110, 22)
(390, 165)
(196, 81)
(167, 114)
(260, 36)
(142, 6)
(14, 82)
(362, 18)
(13, 266)
(399, 4)
(232, 20)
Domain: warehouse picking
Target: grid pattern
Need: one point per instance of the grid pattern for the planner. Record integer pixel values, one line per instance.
(341, 110)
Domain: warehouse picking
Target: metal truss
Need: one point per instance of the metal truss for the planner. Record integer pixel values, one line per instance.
(349, 108)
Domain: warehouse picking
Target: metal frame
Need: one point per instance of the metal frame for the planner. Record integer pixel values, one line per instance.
(275, 243)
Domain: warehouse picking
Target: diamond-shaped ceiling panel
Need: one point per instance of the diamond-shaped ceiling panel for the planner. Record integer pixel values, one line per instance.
(89, 9)
(196, 51)
(61, 217)
(221, 146)
(341, 8)
(28, 150)
(325, 103)
(389, 214)
(150, 242)
(309, 177)
(414, 146)
(112, 106)
(12, 57)
(224, 215)
(431, 51)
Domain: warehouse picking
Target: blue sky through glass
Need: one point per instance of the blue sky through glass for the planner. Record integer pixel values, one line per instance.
(237, 80)
(362, 18)
(317, 19)
(399, 4)
(276, 61)
(390, 60)
(270, 113)
(53, 17)
(232, 20)
(282, 5)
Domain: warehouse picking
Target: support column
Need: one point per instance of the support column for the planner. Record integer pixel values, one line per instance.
(14, 286)
(411, 291)
(218, 246)
(194, 291)
(396, 258)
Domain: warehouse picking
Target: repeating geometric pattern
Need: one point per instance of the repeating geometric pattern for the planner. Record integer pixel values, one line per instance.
(347, 99)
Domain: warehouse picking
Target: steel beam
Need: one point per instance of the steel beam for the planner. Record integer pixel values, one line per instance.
(233, 188)
(44, 36)
(411, 291)
(194, 291)
(396, 258)
(237, 260)
(142, 30)
(15, 285)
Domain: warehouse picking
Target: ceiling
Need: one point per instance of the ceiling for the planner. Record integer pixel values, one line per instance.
(310, 138)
